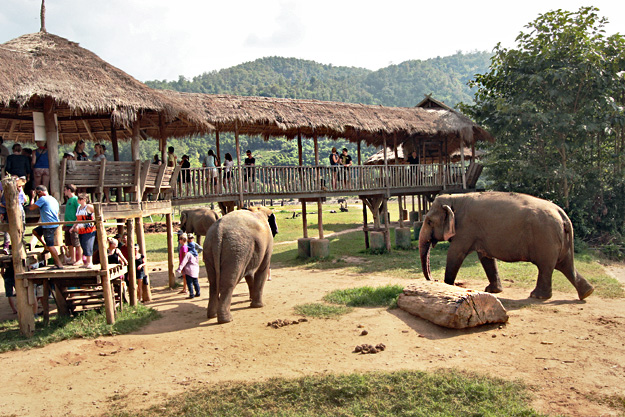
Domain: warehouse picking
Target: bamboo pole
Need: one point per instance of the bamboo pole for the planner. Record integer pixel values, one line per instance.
(109, 302)
(132, 268)
(52, 142)
(238, 149)
(170, 250)
(319, 203)
(25, 314)
(136, 139)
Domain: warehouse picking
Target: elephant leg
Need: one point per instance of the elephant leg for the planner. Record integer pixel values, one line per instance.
(583, 287)
(213, 293)
(256, 293)
(199, 240)
(492, 272)
(543, 284)
(455, 258)
(249, 280)
(225, 299)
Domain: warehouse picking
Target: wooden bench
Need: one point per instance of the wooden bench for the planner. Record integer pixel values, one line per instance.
(98, 177)
(158, 179)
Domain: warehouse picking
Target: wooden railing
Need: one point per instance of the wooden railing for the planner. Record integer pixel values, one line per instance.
(283, 180)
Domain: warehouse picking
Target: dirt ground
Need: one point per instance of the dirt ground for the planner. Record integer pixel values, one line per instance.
(568, 351)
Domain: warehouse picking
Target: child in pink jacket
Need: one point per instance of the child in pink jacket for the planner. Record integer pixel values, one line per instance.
(190, 267)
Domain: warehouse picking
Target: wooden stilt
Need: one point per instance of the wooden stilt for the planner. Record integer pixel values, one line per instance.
(170, 250)
(387, 226)
(132, 269)
(304, 218)
(107, 292)
(25, 315)
(320, 217)
(52, 141)
(365, 226)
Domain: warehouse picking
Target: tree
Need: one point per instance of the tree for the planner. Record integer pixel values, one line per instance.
(555, 105)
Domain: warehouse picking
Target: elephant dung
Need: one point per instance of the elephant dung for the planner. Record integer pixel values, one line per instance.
(451, 306)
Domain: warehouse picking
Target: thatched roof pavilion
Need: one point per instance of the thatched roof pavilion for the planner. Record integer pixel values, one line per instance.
(91, 97)
(371, 124)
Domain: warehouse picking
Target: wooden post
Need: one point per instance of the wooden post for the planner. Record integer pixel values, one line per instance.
(319, 203)
(299, 147)
(365, 226)
(141, 236)
(320, 217)
(399, 201)
(162, 140)
(25, 315)
(135, 141)
(52, 141)
(109, 302)
(387, 226)
(132, 268)
(238, 148)
(304, 219)
(170, 250)
(462, 170)
(217, 144)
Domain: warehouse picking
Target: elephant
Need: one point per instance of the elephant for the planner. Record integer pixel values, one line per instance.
(198, 221)
(511, 227)
(237, 246)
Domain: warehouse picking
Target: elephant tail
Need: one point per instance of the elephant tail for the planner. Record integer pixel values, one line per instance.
(569, 238)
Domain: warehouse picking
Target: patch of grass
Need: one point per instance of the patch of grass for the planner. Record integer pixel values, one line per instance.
(321, 310)
(403, 393)
(91, 324)
(385, 296)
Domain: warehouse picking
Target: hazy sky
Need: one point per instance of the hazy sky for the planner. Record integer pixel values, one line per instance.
(162, 39)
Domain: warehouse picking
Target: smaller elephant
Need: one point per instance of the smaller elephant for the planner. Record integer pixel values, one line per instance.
(198, 221)
(239, 245)
(507, 226)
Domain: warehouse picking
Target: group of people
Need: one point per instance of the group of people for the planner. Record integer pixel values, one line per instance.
(30, 166)
(340, 161)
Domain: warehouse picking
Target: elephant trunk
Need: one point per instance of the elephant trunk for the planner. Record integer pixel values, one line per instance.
(424, 250)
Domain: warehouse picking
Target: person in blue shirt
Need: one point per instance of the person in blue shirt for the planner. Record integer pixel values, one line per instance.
(49, 212)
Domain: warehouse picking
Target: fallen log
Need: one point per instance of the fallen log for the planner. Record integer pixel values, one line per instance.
(451, 306)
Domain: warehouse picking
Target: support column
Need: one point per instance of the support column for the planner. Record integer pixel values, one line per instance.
(464, 174)
(107, 291)
(238, 148)
(217, 145)
(132, 268)
(52, 142)
(170, 250)
(135, 141)
(304, 218)
(25, 315)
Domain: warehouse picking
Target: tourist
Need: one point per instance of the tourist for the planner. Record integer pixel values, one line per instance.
(183, 249)
(49, 212)
(114, 255)
(412, 158)
(17, 163)
(190, 268)
(335, 161)
(86, 231)
(172, 159)
(8, 274)
(41, 166)
(99, 153)
(250, 174)
(29, 190)
(228, 163)
(194, 248)
(79, 151)
(72, 239)
(156, 160)
(142, 278)
(346, 162)
(185, 173)
(212, 162)
(4, 153)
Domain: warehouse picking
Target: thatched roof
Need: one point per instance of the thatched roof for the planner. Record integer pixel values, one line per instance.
(268, 117)
(89, 93)
(378, 157)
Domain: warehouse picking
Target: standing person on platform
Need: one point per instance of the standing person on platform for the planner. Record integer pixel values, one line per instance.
(228, 164)
(250, 173)
(172, 159)
(18, 164)
(49, 212)
(79, 151)
(72, 239)
(99, 152)
(86, 231)
(41, 165)
(335, 161)
(4, 153)
(346, 162)
(211, 162)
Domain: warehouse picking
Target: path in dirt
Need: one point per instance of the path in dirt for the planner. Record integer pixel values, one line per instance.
(568, 351)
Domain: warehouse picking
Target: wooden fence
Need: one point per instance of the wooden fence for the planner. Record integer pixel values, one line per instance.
(283, 180)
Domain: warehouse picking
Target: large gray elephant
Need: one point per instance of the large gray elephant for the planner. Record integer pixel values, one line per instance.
(507, 226)
(198, 221)
(239, 245)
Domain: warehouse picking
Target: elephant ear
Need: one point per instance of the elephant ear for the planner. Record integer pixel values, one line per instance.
(450, 224)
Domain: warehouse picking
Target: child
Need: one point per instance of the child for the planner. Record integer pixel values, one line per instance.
(182, 251)
(140, 275)
(194, 248)
(9, 284)
(190, 266)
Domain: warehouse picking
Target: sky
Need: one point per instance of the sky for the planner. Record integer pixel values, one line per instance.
(165, 39)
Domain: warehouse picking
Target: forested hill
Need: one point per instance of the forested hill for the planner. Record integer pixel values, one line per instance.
(404, 84)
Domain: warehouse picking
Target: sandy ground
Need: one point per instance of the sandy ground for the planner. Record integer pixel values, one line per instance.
(568, 351)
